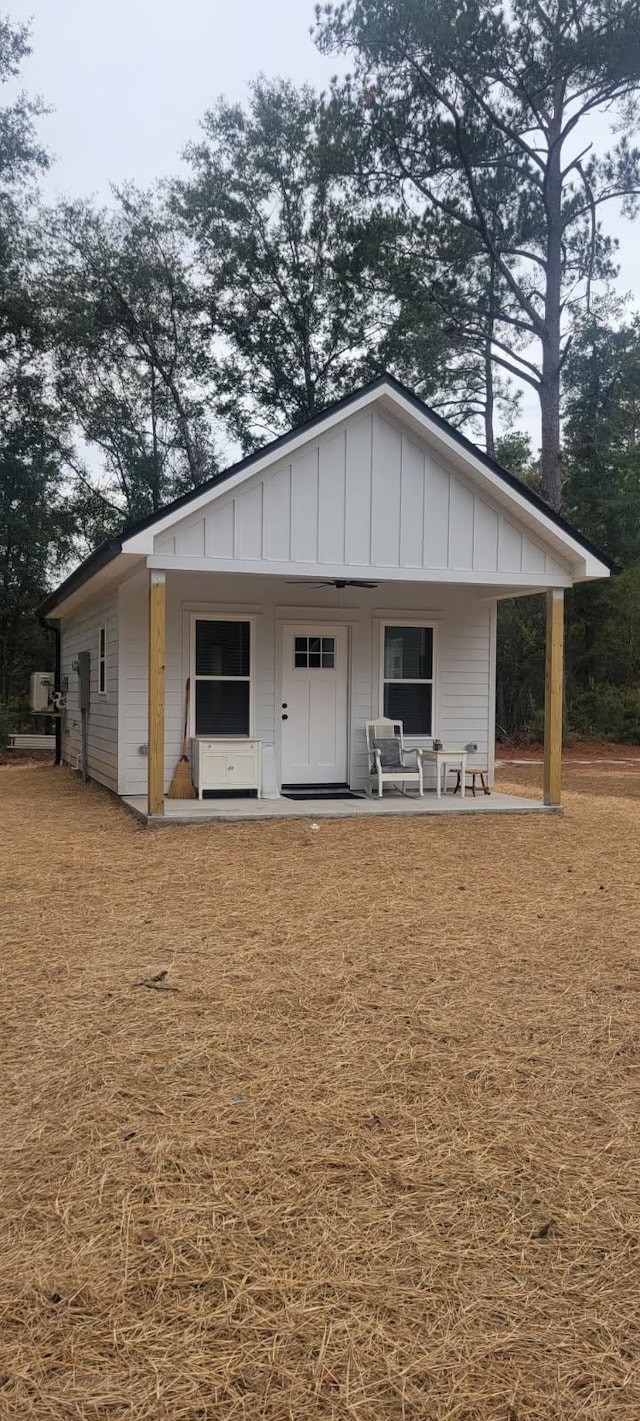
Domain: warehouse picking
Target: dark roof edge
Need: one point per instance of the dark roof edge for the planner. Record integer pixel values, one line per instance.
(109, 550)
(96, 560)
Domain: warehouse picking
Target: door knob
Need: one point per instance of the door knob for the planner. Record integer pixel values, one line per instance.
(284, 705)
(285, 717)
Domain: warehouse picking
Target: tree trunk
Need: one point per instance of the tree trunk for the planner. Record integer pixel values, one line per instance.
(549, 390)
(155, 492)
(489, 437)
(550, 458)
(489, 399)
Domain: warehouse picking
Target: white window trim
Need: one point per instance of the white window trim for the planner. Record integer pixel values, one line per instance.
(102, 660)
(399, 621)
(209, 616)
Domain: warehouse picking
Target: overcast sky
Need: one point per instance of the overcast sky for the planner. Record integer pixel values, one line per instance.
(129, 80)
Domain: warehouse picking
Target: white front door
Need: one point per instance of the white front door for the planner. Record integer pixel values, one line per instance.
(313, 705)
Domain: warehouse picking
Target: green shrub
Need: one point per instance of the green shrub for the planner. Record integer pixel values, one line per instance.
(9, 721)
(604, 712)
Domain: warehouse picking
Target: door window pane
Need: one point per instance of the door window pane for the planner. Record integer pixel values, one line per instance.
(410, 703)
(222, 648)
(222, 707)
(314, 651)
(408, 653)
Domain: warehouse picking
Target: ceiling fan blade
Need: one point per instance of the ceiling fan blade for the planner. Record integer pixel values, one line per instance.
(338, 582)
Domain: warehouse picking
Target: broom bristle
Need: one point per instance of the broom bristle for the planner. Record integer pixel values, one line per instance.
(181, 786)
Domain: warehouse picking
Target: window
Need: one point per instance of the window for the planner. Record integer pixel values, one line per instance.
(102, 661)
(222, 676)
(314, 651)
(408, 677)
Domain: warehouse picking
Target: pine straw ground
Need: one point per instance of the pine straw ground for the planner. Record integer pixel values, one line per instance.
(375, 1154)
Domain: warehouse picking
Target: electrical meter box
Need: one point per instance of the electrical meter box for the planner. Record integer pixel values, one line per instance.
(84, 679)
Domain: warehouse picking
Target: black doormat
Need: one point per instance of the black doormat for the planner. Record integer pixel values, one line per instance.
(326, 794)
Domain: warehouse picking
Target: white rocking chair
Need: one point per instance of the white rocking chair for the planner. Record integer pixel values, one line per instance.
(389, 760)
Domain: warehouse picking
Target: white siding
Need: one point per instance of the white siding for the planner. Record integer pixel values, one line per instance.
(464, 689)
(134, 723)
(464, 681)
(362, 499)
(81, 633)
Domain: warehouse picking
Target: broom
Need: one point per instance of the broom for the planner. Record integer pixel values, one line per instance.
(181, 786)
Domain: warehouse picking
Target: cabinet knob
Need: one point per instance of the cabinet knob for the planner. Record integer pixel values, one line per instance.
(285, 717)
(284, 705)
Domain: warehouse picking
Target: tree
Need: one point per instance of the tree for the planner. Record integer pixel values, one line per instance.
(295, 273)
(478, 113)
(441, 290)
(34, 524)
(602, 451)
(21, 155)
(602, 432)
(602, 494)
(36, 530)
(513, 451)
(131, 357)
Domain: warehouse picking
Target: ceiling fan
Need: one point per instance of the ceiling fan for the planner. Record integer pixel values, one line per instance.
(338, 582)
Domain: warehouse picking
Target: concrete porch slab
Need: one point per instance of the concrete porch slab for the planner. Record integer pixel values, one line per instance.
(194, 811)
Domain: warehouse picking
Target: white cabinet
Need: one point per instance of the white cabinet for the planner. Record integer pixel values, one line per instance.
(225, 764)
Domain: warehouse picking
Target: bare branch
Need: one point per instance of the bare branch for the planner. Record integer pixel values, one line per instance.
(513, 370)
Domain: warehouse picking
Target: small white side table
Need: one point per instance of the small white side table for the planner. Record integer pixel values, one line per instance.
(444, 761)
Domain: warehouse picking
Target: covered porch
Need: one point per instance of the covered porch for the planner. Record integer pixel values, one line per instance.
(357, 620)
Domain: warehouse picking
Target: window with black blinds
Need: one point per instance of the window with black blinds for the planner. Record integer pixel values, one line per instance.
(408, 678)
(222, 677)
(222, 648)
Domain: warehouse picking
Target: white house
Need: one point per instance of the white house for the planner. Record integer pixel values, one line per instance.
(349, 569)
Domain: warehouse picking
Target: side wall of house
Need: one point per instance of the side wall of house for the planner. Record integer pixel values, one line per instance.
(82, 633)
(464, 656)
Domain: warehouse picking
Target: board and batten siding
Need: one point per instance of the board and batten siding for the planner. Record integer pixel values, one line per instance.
(366, 498)
(465, 631)
(81, 633)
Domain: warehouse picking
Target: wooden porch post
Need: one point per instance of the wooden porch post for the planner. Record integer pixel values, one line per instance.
(155, 798)
(553, 697)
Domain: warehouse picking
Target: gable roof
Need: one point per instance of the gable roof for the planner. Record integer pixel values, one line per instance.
(383, 384)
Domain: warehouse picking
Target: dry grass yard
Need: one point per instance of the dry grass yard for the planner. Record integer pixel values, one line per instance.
(370, 1149)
